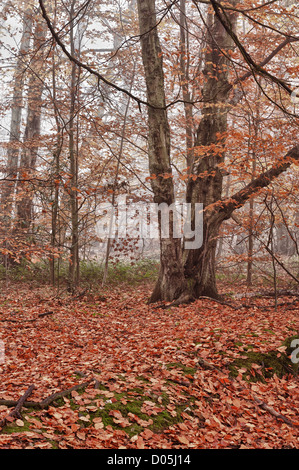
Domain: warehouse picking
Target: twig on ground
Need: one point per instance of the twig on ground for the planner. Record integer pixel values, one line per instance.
(259, 402)
(16, 412)
(12, 320)
(48, 400)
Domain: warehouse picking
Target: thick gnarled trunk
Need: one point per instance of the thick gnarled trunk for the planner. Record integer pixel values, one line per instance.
(209, 152)
(192, 274)
(200, 264)
(171, 282)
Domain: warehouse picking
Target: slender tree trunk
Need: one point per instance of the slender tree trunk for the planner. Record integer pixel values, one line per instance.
(55, 180)
(171, 283)
(270, 245)
(184, 69)
(55, 235)
(256, 121)
(74, 248)
(250, 244)
(9, 185)
(31, 139)
(73, 157)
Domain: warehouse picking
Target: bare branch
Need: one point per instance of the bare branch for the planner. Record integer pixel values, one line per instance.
(238, 200)
(255, 68)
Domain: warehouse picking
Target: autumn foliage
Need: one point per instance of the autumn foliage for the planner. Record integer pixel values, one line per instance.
(157, 102)
(150, 377)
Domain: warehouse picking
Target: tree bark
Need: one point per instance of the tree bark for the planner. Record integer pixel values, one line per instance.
(7, 188)
(74, 271)
(206, 185)
(184, 75)
(31, 144)
(171, 283)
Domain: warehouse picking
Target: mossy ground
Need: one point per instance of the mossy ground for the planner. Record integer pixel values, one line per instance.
(129, 402)
(259, 367)
(179, 365)
(270, 363)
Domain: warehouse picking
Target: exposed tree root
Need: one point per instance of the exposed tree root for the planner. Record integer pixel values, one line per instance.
(183, 299)
(187, 299)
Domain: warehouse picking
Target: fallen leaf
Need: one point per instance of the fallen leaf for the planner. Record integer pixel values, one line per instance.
(183, 440)
(19, 422)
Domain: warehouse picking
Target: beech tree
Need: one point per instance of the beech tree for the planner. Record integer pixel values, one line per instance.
(197, 267)
(8, 187)
(11, 165)
(29, 153)
(226, 75)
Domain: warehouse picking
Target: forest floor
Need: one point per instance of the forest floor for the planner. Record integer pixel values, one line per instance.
(109, 371)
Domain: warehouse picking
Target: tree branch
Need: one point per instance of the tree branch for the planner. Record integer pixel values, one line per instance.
(16, 412)
(264, 62)
(255, 68)
(238, 199)
(76, 61)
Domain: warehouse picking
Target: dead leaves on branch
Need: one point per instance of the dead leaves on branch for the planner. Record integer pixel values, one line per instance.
(150, 378)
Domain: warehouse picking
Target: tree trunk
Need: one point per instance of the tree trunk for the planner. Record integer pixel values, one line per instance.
(32, 133)
(206, 187)
(171, 283)
(8, 186)
(73, 157)
(198, 275)
(184, 73)
(55, 176)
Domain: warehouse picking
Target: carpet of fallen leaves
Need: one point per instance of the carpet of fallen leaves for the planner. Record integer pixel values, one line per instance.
(134, 351)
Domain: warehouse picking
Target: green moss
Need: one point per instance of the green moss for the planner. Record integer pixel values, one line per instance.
(239, 344)
(179, 365)
(58, 402)
(161, 420)
(270, 363)
(132, 406)
(164, 420)
(165, 399)
(54, 444)
(12, 427)
(142, 379)
(271, 332)
(135, 398)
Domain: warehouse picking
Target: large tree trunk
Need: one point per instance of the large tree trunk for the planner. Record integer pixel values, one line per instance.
(171, 283)
(198, 277)
(206, 188)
